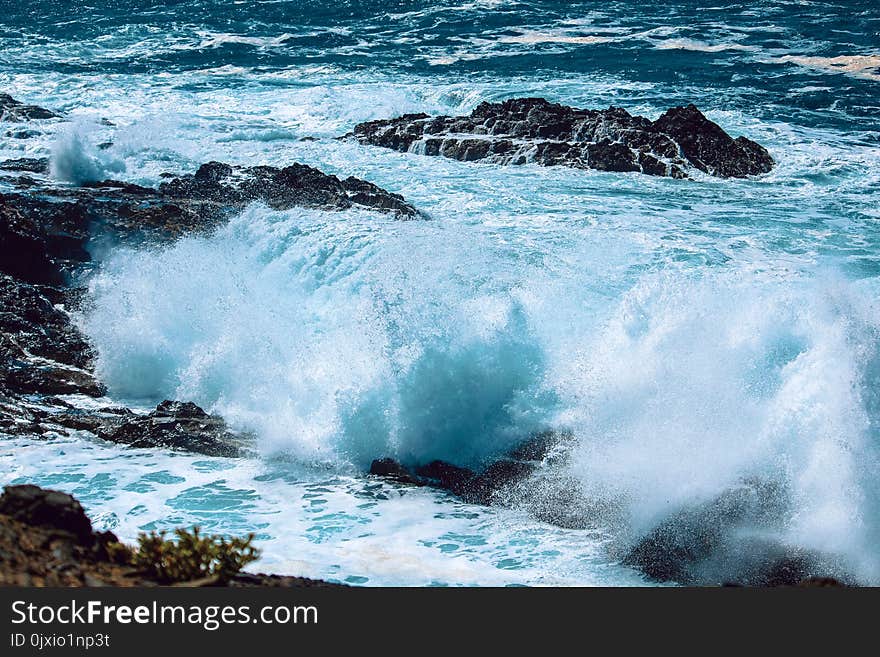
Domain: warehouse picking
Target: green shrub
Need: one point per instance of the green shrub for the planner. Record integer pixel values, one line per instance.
(192, 556)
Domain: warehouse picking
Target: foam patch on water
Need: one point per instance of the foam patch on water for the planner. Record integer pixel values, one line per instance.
(330, 527)
(860, 66)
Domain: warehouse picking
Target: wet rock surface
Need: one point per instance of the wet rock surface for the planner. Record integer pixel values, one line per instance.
(533, 130)
(46, 539)
(16, 111)
(172, 425)
(727, 541)
(487, 485)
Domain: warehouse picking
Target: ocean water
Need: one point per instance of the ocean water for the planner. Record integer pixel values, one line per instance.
(689, 334)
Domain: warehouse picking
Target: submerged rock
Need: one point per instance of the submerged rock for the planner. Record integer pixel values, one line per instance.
(533, 130)
(16, 111)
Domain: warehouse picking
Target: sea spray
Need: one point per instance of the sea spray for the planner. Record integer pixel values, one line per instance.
(330, 348)
(699, 383)
(75, 160)
(334, 344)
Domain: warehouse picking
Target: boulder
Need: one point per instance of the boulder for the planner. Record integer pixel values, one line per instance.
(50, 509)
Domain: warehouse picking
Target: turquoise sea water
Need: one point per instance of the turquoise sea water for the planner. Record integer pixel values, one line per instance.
(689, 333)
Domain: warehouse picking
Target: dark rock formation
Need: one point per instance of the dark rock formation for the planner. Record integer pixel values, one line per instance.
(478, 487)
(41, 237)
(16, 111)
(292, 186)
(32, 325)
(41, 351)
(726, 540)
(46, 539)
(173, 425)
(526, 130)
(29, 164)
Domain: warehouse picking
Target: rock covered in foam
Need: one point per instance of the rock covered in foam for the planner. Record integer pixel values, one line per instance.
(728, 540)
(526, 130)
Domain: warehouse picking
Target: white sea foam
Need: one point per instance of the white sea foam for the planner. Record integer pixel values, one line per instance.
(860, 66)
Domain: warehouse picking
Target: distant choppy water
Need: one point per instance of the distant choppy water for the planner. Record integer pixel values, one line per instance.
(689, 333)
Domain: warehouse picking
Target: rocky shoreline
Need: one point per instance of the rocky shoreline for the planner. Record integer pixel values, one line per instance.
(49, 232)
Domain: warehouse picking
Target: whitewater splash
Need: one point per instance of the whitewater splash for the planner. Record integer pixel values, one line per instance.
(334, 343)
(325, 337)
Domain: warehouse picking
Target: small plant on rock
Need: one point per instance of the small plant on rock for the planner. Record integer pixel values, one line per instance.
(192, 556)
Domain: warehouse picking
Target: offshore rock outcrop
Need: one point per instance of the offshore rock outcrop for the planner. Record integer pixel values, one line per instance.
(15, 111)
(533, 130)
(46, 539)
